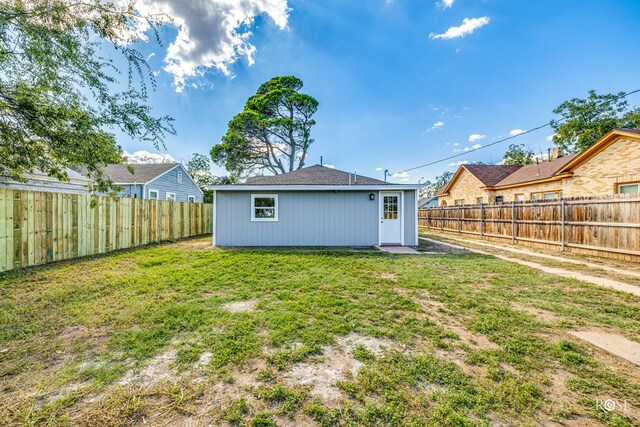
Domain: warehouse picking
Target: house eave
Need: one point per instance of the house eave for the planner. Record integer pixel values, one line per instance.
(243, 187)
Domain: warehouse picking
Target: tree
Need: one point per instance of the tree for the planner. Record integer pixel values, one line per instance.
(585, 121)
(59, 105)
(430, 188)
(199, 168)
(518, 155)
(272, 133)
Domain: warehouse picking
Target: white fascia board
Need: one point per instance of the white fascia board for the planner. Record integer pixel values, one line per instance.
(241, 187)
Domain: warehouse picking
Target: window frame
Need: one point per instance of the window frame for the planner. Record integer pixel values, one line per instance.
(499, 201)
(179, 177)
(625, 184)
(479, 200)
(166, 197)
(459, 202)
(153, 191)
(253, 207)
(190, 196)
(515, 197)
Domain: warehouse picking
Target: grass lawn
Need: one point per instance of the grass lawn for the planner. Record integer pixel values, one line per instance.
(186, 334)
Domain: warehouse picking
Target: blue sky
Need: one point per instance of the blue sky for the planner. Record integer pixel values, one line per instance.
(392, 93)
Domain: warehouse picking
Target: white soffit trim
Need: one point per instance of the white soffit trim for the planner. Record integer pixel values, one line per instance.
(241, 187)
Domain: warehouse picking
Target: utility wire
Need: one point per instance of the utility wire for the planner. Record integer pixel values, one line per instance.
(501, 140)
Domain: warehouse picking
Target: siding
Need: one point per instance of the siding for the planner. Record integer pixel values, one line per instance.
(39, 185)
(131, 191)
(317, 218)
(410, 218)
(169, 183)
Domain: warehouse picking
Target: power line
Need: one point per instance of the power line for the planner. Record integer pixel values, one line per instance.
(501, 140)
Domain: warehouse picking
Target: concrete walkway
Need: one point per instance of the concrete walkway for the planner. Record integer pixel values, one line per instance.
(556, 258)
(612, 343)
(398, 250)
(600, 281)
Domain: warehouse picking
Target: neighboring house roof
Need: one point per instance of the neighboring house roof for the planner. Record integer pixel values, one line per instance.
(536, 171)
(490, 175)
(426, 200)
(315, 175)
(142, 172)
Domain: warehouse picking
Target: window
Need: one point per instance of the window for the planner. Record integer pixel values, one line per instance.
(479, 200)
(519, 197)
(499, 199)
(459, 202)
(547, 195)
(171, 197)
(191, 199)
(179, 177)
(390, 207)
(443, 203)
(628, 188)
(154, 194)
(264, 207)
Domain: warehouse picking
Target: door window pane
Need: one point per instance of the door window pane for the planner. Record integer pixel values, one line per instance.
(390, 207)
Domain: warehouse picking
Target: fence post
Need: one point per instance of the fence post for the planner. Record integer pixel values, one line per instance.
(513, 222)
(459, 219)
(429, 219)
(481, 220)
(562, 224)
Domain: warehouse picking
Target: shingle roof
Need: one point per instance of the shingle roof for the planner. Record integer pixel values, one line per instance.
(314, 175)
(537, 171)
(119, 173)
(490, 175)
(636, 131)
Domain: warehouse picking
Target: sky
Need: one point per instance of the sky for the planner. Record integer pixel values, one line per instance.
(400, 83)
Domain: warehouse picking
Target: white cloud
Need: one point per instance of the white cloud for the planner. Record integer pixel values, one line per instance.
(455, 144)
(400, 175)
(550, 137)
(514, 132)
(437, 125)
(461, 162)
(476, 137)
(446, 4)
(329, 165)
(378, 169)
(148, 157)
(468, 26)
(211, 33)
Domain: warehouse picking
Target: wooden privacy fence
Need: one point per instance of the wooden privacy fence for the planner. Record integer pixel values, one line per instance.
(38, 228)
(605, 226)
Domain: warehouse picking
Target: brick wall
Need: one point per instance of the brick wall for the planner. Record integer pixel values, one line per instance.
(467, 187)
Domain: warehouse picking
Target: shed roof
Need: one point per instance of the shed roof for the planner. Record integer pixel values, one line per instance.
(315, 175)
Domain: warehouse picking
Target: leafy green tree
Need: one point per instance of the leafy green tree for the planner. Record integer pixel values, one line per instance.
(199, 167)
(272, 133)
(585, 121)
(431, 188)
(518, 155)
(59, 105)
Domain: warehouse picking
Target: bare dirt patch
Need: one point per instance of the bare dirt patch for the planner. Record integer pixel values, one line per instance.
(544, 316)
(320, 374)
(241, 306)
(159, 368)
(384, 275)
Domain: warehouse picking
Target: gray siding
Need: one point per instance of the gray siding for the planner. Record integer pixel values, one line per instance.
(169, 183)
(318, 218)
(314, 218)
(38, 185)
(131, 191)
(410, 218)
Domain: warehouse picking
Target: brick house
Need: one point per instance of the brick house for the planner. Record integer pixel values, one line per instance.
(610, 166)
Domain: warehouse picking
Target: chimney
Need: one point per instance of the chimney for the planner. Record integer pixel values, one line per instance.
(556, 153)
(355, 177)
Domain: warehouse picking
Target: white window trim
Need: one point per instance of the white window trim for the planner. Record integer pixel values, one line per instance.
(179, 177)
(253, 207)
(157, 194)
(191, 196)
(166, 197)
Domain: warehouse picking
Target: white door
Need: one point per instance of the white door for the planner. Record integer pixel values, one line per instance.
(390, 218)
